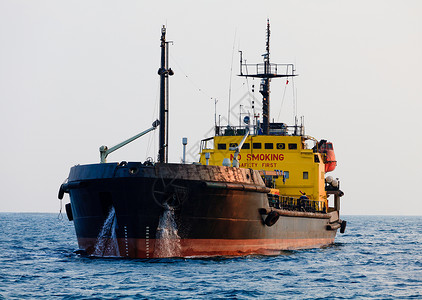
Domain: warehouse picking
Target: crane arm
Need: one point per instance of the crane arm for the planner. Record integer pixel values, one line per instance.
(105, 151)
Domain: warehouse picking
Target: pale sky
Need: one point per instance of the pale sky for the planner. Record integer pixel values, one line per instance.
(75, 75)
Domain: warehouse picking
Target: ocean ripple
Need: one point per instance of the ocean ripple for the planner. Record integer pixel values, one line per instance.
(378, 257)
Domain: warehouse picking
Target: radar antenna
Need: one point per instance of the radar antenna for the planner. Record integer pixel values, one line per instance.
(266, 71)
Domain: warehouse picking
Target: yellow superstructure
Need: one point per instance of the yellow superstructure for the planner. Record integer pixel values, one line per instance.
(299, 170)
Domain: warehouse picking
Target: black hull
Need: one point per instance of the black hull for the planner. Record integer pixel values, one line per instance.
(216, 210)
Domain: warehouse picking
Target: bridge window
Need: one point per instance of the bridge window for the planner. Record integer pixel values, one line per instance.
(221, 146)
(269, 146)
(257, 145)
(246, 146)
(305, 175)
(292, 146)
(281, 146)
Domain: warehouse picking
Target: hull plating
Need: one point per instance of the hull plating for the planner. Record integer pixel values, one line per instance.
(169, 211)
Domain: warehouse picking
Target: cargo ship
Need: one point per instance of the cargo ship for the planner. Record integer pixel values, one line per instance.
(257, 189)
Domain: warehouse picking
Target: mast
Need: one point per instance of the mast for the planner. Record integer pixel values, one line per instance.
(164, 73)
(266, 71)
(265, 86)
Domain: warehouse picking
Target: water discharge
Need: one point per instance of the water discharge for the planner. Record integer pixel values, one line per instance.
(167, 243)
(107, 245)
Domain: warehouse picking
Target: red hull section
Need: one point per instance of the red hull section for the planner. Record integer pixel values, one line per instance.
(146, 248)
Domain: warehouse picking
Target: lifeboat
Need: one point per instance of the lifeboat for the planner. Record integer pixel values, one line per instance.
(330, 157)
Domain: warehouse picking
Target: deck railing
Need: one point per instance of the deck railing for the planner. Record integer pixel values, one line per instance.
(264, 70)
(296, 204)
(255, 130)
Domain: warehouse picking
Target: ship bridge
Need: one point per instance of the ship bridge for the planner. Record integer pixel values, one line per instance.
(297, 168)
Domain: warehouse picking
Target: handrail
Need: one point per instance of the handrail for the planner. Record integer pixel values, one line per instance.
(268, 70)
(296, 204)
(287, 130)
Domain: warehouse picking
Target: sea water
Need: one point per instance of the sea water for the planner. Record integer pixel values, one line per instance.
(377, 258)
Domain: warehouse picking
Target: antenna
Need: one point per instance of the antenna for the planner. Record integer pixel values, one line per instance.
(266, 71)
(241, 59)
(230, 83)
(215, 113)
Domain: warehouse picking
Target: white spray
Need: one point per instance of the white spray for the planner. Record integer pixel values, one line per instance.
(167, 243)
(107, 245)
